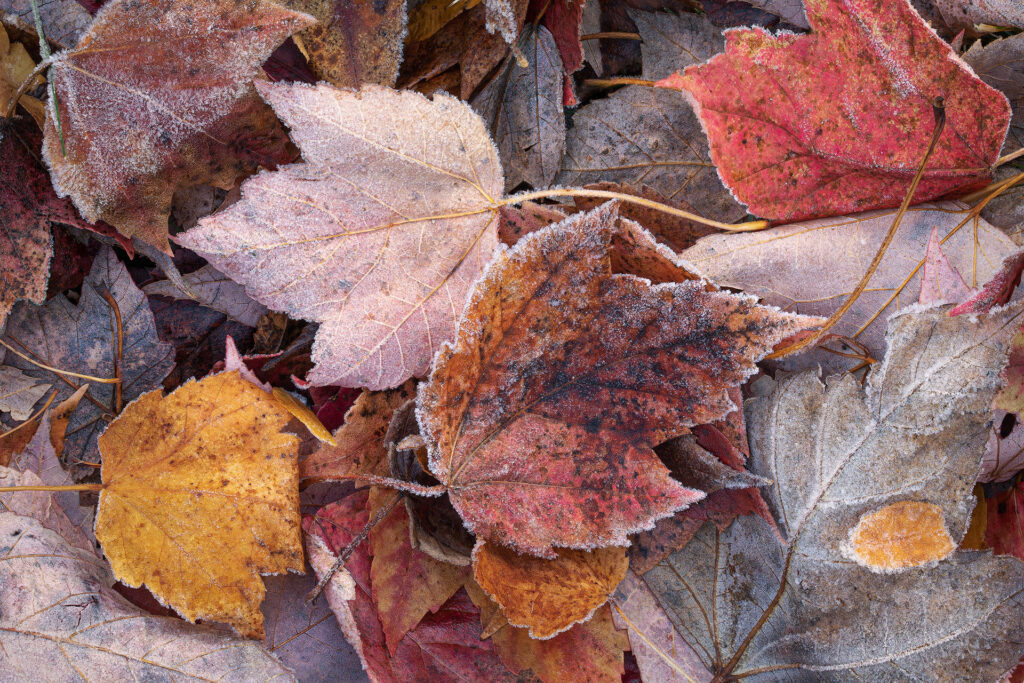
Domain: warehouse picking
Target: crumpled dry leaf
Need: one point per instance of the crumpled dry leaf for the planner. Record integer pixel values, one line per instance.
(522, 106)
(213, 290)
(360, 445)
(200, 495)
(60, 620)
(19, 392)
(830, 149)
(837, 453)
(651, 135)
(541, 417)
(353, 42)
(378, 236)
(812, 267)
(548, 596)
(168, 109)
(964, 14)
(83, 338)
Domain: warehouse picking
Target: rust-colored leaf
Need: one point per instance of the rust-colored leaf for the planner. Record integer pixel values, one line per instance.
(548, 596)
(904, 534)
(540, 418)
(378, 236)
(149, 103)
(1004, 532)
(353, 41)
(832, 148)
(200, 497)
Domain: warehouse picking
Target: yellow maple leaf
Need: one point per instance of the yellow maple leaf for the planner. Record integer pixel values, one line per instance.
(200, 496)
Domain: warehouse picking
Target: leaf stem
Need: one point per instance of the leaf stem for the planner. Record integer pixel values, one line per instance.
(997, 187)
(33, 418)
(343, 556)
(612, 82)
(68, 487)
(621, 35)
(1006, 158)
(939, 110)
(388, 483)
(25, 85)
(631, 199)
(119, 350)
(58, 371)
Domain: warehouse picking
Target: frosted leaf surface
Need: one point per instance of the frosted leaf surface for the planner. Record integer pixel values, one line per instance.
(378, 236)
(214, 290)
(157, 96)
(836, 451)
(63, 21)
(82, 338)
(523, 107)
(794, 136)
(562, 378)
(812, 267)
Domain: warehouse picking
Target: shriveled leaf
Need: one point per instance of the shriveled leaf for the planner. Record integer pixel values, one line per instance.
(407, 584)
(548, 596)
(378, 236)
(522, 106)
(812, 267)
(541, 417)
(306, 637)
(353, 42)
(998, 289)
(830, 149)
(19, 392)
(213, 290)
(428, 17)
(443, 646)
(200, 497)
(591, 651)
(838, 454)
(60, 620)
(360, 445)
(149, 102)
(83, 338)
(662, 652)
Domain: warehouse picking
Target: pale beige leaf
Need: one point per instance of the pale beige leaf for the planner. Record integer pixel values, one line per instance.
(61, 621)
(19, 392)
(812, 267)
(378, 236)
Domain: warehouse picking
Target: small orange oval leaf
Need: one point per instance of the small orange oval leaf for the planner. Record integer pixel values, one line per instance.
(901, 535)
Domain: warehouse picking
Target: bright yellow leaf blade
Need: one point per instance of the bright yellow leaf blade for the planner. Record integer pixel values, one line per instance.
(200, 497)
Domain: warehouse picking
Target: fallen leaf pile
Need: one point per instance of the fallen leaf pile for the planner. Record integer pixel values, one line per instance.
(512, 340)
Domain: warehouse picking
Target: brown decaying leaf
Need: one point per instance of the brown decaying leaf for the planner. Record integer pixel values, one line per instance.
(63, 21)
(750, 604)
(167, 108)
(528, 217)
(60, 621)
(522, 106)
(200, 496)
(213, 290)
(639, 135)
(353, 42)
(360, 445)
(548, 596)
(540, 418)
(406, 583)
(964, 14)
(83, 338)
(378, 236)
(812, 267)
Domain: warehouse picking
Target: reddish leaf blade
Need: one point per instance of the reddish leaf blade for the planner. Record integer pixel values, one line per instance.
(838, 121)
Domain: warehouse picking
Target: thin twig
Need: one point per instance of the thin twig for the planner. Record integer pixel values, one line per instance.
(119, 351)
(621, 35)
(68, 487)
(25, 85)
(33, 418)
(343, 556)
(998, 186)
(631, 199)
(940, 122)
(1006, 158)
(612, 82)
(58, 371)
